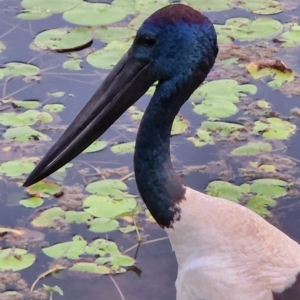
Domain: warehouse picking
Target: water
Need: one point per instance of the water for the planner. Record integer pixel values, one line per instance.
(155, 260)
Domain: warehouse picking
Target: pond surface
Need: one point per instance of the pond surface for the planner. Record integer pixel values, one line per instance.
(236, 138)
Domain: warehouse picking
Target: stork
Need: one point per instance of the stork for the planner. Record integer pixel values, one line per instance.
(224, 250)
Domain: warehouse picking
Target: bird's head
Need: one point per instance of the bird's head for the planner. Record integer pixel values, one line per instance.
(176, 40)
(174, 46)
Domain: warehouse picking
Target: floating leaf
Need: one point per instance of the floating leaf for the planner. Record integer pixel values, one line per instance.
(264, 7)
(216, 109)
(150, 6)
(70, 250)
(15, 259)
(52, 289)
(19, 69)
(269, 187)
(275, 68)
(227, 190)
(103, 225)
(107, 187)
(224, 128)
(16, 167)
(180, 125)
(77, 217)
(123, 148)
(57, 94)
(47, 217)
(106, 207)
(32, 202)
(224, 90)
(252, 149)
(127, 229)
(25, 134)
(108, 57)
(29, 117)
(137, 22)
(110, 34)
(98, 14)
(212, 5)
(203, 138)
(244, 29)
(62, 39)
(292, 37)
(72, 64)
(275, 128)
(54, 107)
(44, 189)
(90, 268)
(26, 104)
(34, 14)
(96, 146)
(61, 173)
(259, 205)
(54, 6)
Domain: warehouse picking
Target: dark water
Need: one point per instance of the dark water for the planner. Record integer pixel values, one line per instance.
(155, 260)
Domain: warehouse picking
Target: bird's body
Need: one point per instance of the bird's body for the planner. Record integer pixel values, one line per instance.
(232, 254)
(224, 251)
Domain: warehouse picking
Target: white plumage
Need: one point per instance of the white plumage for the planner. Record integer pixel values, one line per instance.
(227, 252)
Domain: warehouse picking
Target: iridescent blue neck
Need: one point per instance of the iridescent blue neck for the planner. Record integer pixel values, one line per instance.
(156, 179)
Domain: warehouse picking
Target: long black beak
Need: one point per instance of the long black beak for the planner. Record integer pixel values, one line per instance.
(125, 84)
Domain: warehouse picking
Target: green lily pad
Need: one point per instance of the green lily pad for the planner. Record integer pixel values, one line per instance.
(180, 125)
(16, 167)
(123, 148)
(62, 172)
(252, 149)
(54, 6)
(202, 138)
(212, 5)
(106, 207)
(24, 134)
(216, 109)
(62, 39)
(44, 189)
(136, 114)
(227, 190)
(108, 57)
(32, 202)
(224, 128)
(96, 146)
(54, 108)
(29, 117)
(269, 187)
(47, 217)
(224, 90)
(244, 29)
(291, 38)
(127, 229)
(259, 205)
(264, 7)
(73, 64)
(98, 14)
(52, 289)
(19, 69)
(125, 5)
(70, 250)
(150, 6)
(101, 225)
(136, 23)
(273, 68)
(110, 34)
(117, 261)
(77, 217)
(57, 94)
(34, 14)
(275, 128)
(89, 267)
(15, 259)
(107, 187)
(26, 104)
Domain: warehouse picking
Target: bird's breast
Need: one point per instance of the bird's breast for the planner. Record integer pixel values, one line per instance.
(225, 251)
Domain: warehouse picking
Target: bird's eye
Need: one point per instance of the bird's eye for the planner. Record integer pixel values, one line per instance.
(147, 40)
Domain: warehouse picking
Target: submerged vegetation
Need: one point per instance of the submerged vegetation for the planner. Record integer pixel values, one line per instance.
(237, 128)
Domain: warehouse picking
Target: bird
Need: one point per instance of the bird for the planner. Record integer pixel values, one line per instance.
(224, 251)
